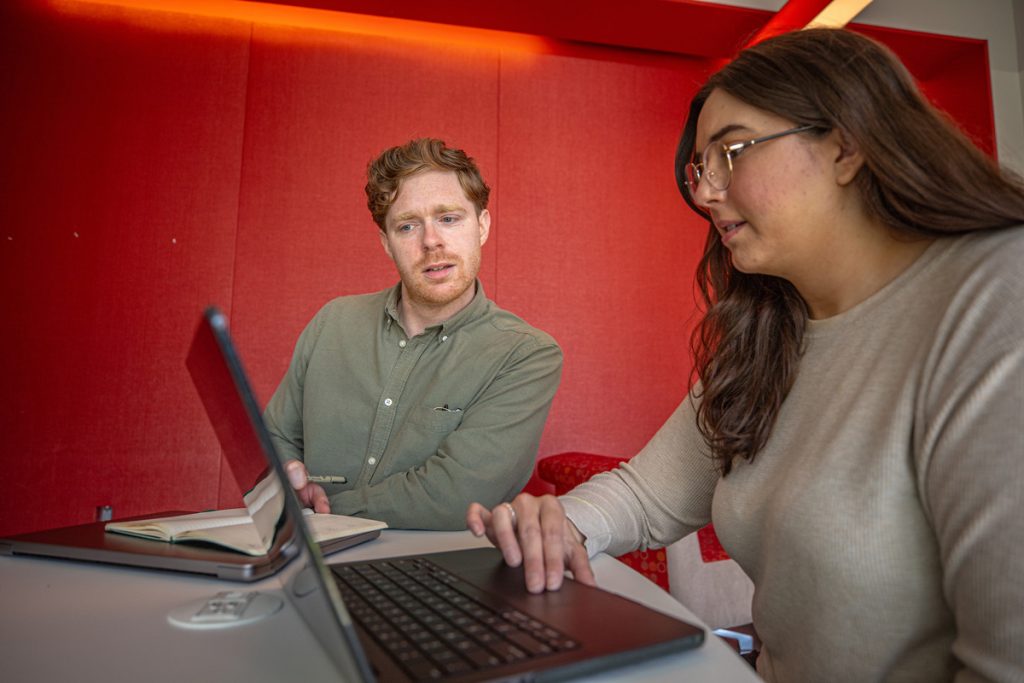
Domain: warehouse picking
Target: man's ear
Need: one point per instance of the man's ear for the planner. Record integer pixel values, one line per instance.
(384, 243)
(485, 225)
(848, 158)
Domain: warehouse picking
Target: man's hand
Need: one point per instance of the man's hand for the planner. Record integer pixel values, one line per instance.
(536, 533)
(310, 495)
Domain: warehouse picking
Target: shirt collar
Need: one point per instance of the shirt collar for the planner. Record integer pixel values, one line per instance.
(476, 307)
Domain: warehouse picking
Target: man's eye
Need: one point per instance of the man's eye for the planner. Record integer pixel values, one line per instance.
(406, 227)
(448, 219)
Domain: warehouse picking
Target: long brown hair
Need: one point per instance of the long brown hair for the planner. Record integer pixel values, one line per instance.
(921, 177)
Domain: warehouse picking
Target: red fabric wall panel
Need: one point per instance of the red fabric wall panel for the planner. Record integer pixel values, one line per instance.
(596, 246)
(158, 162)
(121, 138)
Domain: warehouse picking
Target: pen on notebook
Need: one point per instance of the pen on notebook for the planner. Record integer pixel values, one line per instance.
(326, 479)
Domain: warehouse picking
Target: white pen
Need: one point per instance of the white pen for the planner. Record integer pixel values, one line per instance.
(327, 479)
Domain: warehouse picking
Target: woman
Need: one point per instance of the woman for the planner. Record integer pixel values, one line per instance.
(855, 433)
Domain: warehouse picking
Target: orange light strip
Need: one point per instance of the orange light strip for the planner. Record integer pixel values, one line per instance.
(792, 16)
(839, 13)
(267, 13)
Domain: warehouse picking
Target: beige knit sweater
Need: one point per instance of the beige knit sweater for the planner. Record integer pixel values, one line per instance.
(883, 522)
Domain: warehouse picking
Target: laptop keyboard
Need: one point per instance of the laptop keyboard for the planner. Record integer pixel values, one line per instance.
(436, 625)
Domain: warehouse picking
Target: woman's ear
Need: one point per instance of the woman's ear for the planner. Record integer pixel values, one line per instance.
(848, 158)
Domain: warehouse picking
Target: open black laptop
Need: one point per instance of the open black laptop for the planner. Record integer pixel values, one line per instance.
(461, 615)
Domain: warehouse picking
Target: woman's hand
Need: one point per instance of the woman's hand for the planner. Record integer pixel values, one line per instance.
(536, 533)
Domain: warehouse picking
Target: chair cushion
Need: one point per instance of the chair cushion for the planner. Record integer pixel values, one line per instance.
(566, 471)
(710, 548)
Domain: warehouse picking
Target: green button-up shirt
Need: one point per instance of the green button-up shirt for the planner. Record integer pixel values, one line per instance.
(420, 427)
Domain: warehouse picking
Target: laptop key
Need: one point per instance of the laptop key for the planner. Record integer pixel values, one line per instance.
(507, 651)
(456, 667)
(444, 657)
(528, 642)
(422, 670)
(481, 657)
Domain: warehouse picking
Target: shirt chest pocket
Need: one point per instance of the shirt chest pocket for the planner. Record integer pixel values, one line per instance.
(419, 438)
(439, 420)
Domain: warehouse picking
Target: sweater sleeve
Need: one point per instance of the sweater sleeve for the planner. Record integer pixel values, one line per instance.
(656, 498)
(971, 480)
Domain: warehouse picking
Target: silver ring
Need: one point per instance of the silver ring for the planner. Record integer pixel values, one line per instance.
(512, 512)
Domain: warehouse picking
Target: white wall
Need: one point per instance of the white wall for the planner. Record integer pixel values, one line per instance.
(1000, 22)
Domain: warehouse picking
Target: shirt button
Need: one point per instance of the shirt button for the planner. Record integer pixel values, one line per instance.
(401, 344)
(372, 461)
(388, 401)
(444, 338)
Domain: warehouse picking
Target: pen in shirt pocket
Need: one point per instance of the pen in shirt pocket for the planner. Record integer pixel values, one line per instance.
(446, 409)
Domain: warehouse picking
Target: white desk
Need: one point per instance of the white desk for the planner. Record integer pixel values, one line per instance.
(91, 622)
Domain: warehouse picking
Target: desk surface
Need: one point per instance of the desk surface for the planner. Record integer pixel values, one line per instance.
(61, 619)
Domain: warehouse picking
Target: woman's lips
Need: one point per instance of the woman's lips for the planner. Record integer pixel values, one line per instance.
(729, 230)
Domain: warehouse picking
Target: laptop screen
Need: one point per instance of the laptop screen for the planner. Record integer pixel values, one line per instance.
(219, 377)
(217, 372)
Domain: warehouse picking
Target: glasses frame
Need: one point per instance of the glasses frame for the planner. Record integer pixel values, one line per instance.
(730, 151)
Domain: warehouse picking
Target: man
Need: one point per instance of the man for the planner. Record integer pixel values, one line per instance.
(414, 401)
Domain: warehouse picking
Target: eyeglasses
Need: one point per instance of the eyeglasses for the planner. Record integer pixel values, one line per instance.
(716, 161)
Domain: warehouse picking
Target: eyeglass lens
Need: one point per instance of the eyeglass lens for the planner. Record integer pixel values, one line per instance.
(717, 168)
(713, 167)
